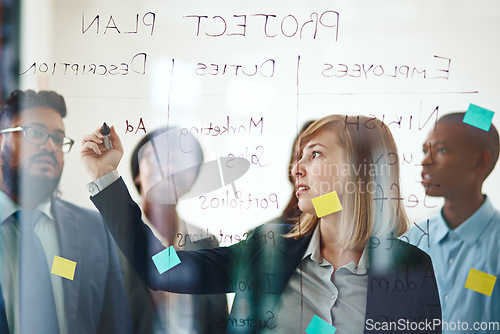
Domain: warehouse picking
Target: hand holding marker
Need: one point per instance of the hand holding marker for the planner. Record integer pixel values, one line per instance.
(106, 131)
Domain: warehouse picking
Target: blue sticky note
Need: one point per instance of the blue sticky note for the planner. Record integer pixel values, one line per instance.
(478, 117)
(319, 326)
(166, 259)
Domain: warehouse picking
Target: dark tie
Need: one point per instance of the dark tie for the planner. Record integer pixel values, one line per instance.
(37, 309)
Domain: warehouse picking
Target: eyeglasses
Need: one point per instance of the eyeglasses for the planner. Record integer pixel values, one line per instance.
(38, 136)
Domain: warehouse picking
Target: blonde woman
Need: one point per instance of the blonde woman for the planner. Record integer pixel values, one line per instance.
(346, 267)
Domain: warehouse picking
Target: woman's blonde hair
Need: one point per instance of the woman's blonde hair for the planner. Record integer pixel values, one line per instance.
(375, 206)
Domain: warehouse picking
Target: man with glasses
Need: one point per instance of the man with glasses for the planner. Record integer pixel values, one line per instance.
(59, 271)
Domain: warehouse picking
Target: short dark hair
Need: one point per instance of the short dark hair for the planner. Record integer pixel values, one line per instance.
(20, 100)
(484, 140)
(196, 151)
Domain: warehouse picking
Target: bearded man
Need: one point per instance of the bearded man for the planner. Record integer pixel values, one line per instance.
(59, 271)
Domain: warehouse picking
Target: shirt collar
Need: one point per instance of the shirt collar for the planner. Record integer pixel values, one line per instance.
(8, 207)
(45, 208)
(363, 264)
(314, 251)
(314, 247)
(469, 230)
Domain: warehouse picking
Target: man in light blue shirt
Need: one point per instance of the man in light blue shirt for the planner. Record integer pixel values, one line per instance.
(465, 236)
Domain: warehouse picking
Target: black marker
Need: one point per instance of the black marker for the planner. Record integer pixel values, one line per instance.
(106, 131)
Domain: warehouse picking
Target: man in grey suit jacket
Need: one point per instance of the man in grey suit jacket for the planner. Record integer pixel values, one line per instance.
(81, 271)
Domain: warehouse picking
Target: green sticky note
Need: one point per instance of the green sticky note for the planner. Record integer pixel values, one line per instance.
(166, 259)
(479, 117)
(326, 204)
(319, 326)
(480, 281)
(63, 267)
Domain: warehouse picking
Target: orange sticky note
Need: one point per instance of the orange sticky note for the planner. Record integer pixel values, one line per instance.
(326, 204)
(480, 281)
(63, 267)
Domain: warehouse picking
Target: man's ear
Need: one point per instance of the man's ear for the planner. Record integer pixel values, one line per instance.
(483, 161)
(2, 141)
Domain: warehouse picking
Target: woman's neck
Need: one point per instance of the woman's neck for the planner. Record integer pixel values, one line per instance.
(329, 227)
(331, 243)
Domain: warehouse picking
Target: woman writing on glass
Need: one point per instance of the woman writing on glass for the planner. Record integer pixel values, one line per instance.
(344, 265)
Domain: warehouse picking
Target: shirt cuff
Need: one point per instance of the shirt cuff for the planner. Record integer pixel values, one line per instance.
(101, 183)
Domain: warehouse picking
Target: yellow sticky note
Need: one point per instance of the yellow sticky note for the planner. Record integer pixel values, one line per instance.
(480, 281)
(63, 267)
(326, 204)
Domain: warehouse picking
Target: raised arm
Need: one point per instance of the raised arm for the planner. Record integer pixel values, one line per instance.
(205, 271)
